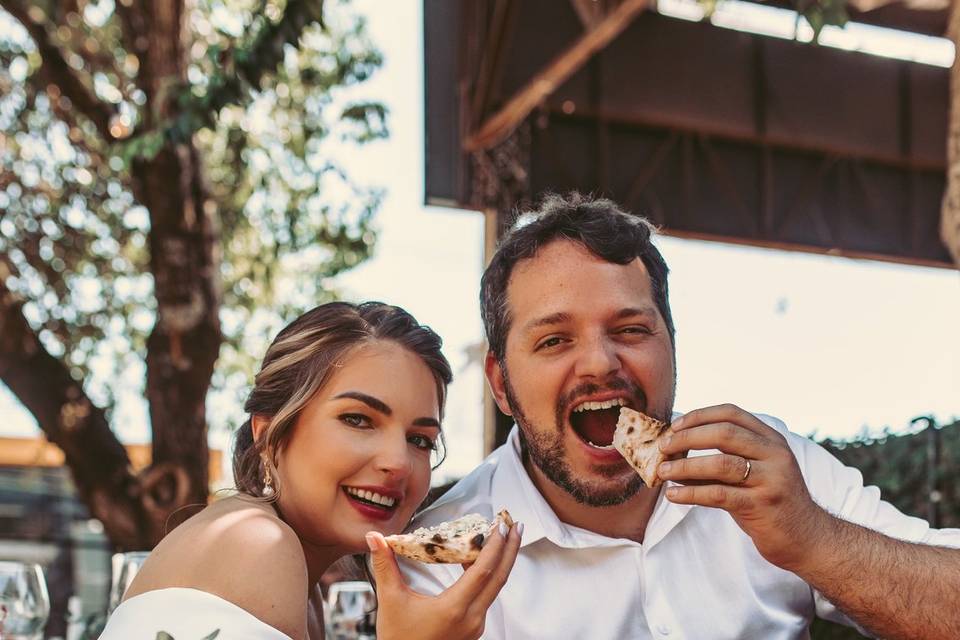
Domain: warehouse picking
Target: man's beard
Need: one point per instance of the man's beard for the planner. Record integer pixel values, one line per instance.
(546, 449)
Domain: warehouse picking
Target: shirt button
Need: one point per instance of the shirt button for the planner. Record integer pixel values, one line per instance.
(663, 630)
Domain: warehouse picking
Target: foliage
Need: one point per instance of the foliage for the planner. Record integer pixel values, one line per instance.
(900, 466)
(817, 13)
(267, 96)
(820, 13)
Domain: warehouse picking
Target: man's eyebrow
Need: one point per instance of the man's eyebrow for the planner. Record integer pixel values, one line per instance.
(553, 318)
(630, 312)
(379, 405)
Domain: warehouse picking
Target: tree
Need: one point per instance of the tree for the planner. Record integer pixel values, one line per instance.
(162, 166)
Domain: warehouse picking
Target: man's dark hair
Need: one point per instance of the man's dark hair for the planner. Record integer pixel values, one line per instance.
(597, 224)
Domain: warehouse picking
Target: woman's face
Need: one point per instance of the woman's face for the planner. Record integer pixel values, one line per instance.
(358, 457)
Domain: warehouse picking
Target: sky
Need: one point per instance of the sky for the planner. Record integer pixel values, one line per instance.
(831, 345)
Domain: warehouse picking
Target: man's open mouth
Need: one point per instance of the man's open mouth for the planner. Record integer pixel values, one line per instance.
(595, 421)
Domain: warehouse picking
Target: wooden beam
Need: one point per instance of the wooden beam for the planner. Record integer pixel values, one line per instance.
(545, 82)
(587, 11)
(950, 209)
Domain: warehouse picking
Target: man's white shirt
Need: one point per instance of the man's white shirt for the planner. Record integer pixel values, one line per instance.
(695, 576)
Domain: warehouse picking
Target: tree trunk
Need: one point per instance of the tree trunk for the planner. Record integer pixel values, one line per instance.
(185, 341)
(950, 215)
(99, 464)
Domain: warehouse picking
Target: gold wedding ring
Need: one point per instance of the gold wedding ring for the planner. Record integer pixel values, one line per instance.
(746, 474)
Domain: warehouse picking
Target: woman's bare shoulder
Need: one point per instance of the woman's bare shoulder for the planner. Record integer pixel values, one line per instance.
(240, 551)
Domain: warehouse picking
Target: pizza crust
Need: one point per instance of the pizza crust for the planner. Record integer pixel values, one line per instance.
(637, 439)
(458, 541)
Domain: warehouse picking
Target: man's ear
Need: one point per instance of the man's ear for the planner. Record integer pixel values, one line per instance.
(258, 424)
(491, 366)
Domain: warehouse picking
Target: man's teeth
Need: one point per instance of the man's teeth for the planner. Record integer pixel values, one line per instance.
(596, 406)
(371, 496)
(597, 446)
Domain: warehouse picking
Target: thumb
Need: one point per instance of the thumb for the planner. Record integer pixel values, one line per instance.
(385, 569)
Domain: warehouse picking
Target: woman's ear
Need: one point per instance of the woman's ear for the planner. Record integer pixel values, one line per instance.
(258, 425)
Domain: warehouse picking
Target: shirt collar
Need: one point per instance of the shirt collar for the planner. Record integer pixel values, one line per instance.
(512, 489)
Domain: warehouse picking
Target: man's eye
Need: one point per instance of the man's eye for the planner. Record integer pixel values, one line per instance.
(355, 420)
(422, 442)
(635, 329)
(549, 342)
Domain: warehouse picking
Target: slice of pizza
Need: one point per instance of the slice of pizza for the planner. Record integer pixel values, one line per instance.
(636, 438)
(457, 541)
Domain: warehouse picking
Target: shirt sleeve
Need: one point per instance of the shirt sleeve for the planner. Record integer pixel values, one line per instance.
(840, 490)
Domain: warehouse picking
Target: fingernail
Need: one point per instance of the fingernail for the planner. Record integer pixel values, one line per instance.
(665, 441)
(371, 541)
(504, 529)
(672, 492)
(665, 467)
(678, 422)
(520, 529)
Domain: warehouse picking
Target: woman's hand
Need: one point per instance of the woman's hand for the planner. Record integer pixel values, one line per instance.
(460, 612)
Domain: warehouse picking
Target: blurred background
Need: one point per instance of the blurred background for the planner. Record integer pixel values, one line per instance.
(178, 180)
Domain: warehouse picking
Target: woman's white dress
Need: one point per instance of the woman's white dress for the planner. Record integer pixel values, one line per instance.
(185, 614)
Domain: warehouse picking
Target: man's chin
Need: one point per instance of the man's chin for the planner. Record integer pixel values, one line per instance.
(600, 486)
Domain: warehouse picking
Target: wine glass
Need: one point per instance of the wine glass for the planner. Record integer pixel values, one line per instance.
(350, 611)
(24, 603)
(124, 567)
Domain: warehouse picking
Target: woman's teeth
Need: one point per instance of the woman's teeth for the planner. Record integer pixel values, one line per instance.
(371, 496)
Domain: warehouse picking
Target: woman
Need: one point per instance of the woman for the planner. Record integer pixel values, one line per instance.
(344, 418)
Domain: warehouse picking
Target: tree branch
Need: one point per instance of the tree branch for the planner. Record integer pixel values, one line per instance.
(55, 70)
(100, 466)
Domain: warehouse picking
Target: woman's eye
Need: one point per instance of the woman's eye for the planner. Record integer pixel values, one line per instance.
(355, 420)
(422, 442)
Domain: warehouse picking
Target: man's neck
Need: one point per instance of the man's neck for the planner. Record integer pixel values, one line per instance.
(626, 520)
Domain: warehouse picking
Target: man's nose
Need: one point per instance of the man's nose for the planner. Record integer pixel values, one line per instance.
(598, 358)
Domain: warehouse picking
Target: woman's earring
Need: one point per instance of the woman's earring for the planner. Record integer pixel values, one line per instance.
(267, 483)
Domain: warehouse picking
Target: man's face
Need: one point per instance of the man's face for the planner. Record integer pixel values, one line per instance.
(585, 337)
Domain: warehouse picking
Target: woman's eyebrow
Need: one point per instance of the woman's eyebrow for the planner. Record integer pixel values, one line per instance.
(374, 403)
(382, 407)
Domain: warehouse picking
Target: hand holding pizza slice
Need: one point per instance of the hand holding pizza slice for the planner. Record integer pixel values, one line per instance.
(459, 613)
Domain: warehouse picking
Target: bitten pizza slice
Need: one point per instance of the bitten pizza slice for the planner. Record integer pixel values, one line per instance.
(457, 541)
(637, 439)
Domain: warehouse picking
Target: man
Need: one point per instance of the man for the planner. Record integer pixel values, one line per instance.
(756, 531)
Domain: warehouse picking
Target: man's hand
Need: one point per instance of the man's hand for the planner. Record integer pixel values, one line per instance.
(457, 613)
(755, 479)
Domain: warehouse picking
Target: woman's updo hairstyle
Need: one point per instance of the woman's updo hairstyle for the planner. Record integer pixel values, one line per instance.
(301, 360)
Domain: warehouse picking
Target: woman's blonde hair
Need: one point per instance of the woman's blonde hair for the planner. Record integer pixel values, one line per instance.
(301, 360)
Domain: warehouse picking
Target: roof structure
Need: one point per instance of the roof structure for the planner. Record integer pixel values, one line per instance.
(711, 133)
